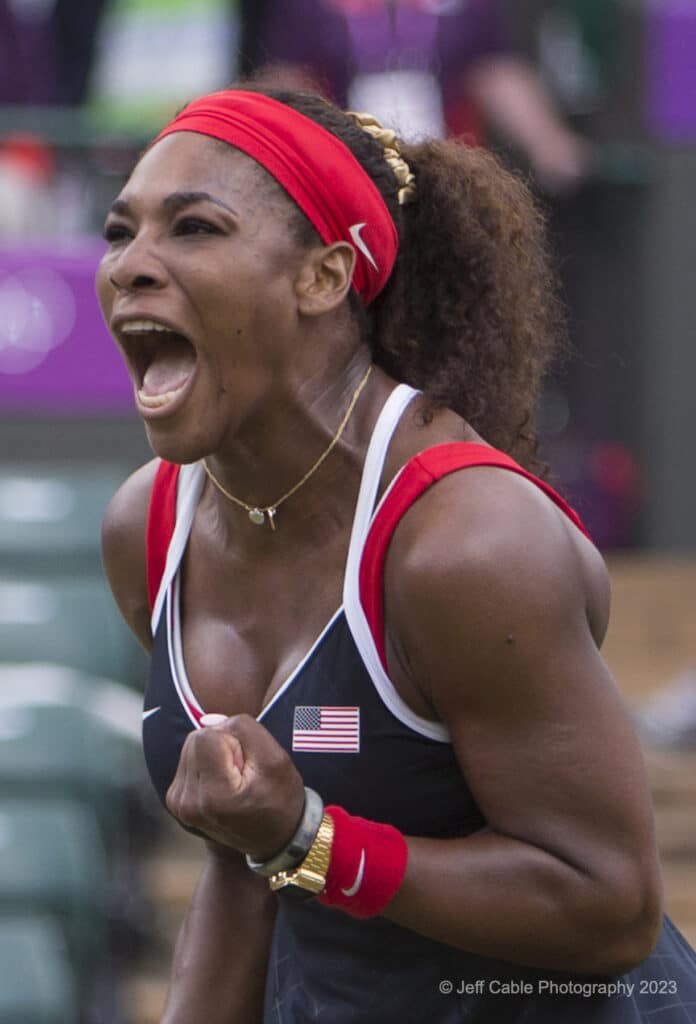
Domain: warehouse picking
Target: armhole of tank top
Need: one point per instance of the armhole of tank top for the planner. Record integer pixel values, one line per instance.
(188, 491)
(436, 462)
(364, 515)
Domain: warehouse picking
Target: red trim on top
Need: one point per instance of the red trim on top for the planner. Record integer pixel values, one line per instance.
(416, 476)
(161, 519)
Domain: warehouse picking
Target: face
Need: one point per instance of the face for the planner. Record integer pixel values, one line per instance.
(198, 289)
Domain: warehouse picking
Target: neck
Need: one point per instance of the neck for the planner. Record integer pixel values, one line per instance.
(280, 453)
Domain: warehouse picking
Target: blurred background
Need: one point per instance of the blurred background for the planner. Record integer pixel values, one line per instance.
(593, 100)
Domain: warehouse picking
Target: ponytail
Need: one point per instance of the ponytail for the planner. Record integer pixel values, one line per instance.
(470, 314)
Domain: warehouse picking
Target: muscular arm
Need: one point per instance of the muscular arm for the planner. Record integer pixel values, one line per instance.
(493, 616)
(221, 955)
(489, 613)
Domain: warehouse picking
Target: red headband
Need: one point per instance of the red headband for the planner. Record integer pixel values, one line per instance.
(314, 167)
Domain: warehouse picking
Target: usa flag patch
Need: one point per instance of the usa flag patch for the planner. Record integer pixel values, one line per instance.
(326, 730)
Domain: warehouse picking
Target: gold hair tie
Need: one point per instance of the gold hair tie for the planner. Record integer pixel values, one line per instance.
(392, 154)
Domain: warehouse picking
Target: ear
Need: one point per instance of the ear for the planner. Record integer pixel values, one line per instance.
(324, 278)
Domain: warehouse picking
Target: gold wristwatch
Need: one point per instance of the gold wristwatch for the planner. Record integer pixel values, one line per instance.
(310, 874)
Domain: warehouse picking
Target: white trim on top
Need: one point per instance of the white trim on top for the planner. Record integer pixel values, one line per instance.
(189, 488)
(176, 664)
(176, 652)
(355, 614)
(298, 668)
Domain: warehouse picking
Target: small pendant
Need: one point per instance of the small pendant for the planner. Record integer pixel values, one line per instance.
(271, 516)
(257, 516)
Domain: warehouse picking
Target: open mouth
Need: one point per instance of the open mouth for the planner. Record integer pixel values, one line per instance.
(163, 361)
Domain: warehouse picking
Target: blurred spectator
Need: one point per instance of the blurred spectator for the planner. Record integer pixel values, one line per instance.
(154, 56)
(76, 25)
(46, 50)
(27, 166)
(425, 66)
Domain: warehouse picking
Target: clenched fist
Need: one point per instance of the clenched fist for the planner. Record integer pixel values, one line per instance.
(237, 786)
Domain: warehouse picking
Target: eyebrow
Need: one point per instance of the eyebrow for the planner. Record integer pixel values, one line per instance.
(176, 201)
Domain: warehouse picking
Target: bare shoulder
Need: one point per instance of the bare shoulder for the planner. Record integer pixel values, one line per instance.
(491, 543)
(495, 607)
(123, 549)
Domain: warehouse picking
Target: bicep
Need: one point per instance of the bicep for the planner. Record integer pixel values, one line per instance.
(499, 637)
(544, 742)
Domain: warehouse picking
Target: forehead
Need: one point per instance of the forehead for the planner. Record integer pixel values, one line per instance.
(190, 162)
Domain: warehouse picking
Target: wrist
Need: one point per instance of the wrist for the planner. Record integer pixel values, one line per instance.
(354, 865)
(299, 844)
(310, 875)
(367, 867)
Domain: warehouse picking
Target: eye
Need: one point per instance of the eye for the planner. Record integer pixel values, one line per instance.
(194, 226)
(114, 233)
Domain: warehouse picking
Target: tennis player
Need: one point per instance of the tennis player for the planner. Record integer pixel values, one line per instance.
(376, 688)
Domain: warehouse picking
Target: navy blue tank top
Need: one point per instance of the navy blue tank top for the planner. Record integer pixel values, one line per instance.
(385, 763)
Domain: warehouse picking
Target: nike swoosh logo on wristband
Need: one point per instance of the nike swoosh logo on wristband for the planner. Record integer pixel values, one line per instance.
(358, 878)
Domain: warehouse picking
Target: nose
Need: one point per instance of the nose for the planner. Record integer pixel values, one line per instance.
(121, 284)
(136, 268)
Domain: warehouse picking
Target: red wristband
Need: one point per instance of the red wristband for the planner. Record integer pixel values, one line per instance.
(368, 863)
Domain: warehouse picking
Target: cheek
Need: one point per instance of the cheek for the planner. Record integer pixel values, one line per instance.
(245, 303)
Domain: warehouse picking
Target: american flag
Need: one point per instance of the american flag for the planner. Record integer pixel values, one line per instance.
(334, 730)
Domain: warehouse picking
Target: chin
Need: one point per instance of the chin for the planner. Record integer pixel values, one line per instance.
(174, 445)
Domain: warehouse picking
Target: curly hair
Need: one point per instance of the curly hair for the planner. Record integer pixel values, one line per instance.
(471, 314)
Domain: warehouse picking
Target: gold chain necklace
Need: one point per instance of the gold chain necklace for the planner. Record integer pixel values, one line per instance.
(256, 513)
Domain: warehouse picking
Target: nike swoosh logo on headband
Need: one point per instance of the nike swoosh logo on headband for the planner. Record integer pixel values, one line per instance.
(358, 878)
(361, 244)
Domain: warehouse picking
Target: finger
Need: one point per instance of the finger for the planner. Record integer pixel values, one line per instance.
(219, 758)
(183, 780)
(210, 720)
(257, 744)
(176, 791)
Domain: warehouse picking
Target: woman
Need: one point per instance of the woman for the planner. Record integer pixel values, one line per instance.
(475, 838)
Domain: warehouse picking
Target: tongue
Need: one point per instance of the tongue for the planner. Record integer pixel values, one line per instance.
(172, 365)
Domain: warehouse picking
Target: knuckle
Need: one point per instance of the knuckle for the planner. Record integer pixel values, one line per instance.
(173, 801)
(188, 747)
(188, 812)
(278, 760)
(241, 724)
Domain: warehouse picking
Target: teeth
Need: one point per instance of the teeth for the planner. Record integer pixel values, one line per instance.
(157, 401)
(134, 326)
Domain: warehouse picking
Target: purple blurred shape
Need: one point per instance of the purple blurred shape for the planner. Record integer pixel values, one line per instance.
(56, 355)
(670, 35)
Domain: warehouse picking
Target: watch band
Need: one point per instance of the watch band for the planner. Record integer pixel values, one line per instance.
(311, 873)
(299, 846)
